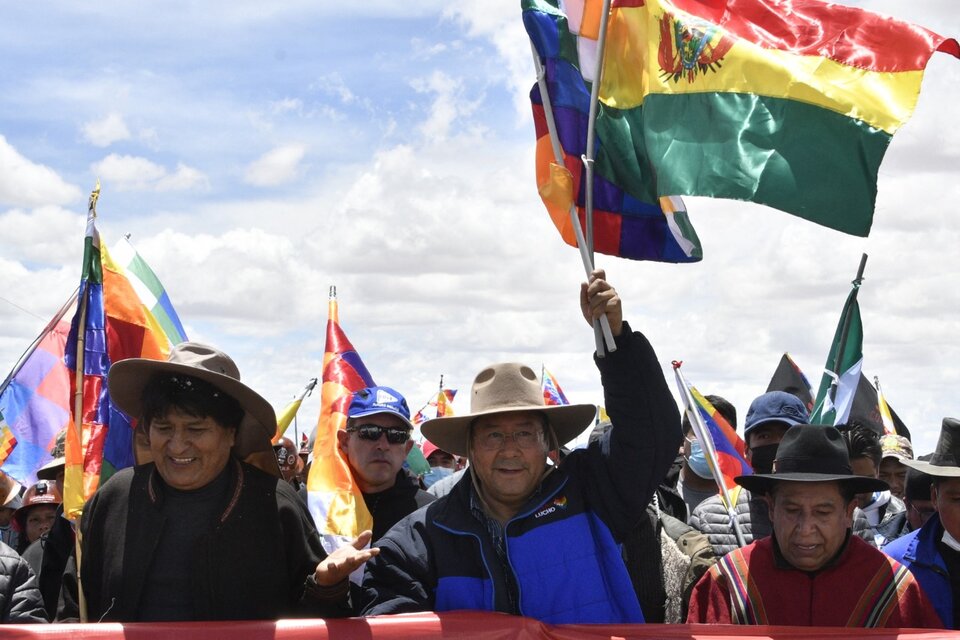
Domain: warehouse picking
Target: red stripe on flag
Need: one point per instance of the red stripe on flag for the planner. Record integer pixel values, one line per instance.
(847, 35)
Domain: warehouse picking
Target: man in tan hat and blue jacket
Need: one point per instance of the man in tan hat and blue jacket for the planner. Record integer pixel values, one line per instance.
(519, 536)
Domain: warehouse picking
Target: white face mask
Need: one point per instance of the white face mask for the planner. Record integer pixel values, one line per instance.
(950, 541)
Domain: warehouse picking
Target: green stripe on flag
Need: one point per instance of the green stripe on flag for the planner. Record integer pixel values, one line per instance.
(802, 159)
(143, 272)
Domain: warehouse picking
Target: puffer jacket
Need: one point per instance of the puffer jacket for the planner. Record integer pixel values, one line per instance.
(917, 551)
(753, 516)
(20, 599)
(561, 547)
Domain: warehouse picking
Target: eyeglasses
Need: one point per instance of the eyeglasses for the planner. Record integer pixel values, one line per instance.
(372, 432)
(495, 440)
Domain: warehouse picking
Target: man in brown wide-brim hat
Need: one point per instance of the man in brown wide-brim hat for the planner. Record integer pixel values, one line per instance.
(811, 571)
(518, 535)
(932, 552)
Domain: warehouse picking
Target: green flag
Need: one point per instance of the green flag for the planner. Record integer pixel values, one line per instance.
(842, 370)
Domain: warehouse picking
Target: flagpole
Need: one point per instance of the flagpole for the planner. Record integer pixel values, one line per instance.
(838, 359)
(706, 442)
(586, 252)
(587, 158)
(78, 395)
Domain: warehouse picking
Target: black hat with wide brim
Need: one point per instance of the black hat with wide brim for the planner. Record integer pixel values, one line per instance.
(945, 460)
(812, 453)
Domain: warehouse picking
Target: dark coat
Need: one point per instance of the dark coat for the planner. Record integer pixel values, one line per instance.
(391, 505)
(20, 600)
(48, 557)
(252, 565)
(561, 546)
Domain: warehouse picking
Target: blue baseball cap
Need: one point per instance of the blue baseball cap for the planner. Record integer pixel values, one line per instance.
(775, 406)
(373, 400)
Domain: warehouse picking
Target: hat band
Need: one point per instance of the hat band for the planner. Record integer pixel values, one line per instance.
(807, 464)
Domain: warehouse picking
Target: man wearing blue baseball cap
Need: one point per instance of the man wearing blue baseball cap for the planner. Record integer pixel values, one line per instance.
(375, 444)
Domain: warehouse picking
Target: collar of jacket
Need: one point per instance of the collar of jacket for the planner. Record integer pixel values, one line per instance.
(453, 510)
(237, 475)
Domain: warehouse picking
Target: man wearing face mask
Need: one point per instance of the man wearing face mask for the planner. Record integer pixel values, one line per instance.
(442, 464)
(695, 483)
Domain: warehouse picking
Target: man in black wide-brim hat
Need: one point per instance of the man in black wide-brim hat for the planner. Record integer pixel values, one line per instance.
(811, 571)
(932, 552)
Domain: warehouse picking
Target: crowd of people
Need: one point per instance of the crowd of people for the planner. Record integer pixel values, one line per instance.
(836, 526)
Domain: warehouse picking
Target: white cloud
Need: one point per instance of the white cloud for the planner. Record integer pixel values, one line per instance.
(448, 105)
(104, 132)
(25, 183)
(275, 167)
(133, 173)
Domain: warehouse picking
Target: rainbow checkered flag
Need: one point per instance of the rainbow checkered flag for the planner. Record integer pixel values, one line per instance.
(552, 393)
(333, 497)
(111, 323)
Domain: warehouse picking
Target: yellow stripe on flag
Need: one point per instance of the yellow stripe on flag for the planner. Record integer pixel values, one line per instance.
(632, 71)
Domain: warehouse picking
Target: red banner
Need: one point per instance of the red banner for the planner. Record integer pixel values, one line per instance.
(465, 624)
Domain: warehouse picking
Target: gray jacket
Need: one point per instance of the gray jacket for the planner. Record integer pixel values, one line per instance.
(711, 519)
(20, 599)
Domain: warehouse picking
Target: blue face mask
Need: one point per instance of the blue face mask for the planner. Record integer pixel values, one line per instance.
(698, 461)
(435, 473)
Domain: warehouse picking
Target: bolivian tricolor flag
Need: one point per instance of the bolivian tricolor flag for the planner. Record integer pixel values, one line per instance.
(788, 103)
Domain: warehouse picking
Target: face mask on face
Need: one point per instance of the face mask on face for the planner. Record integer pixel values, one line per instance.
(698, 461)
(435, 474)
(761, 458)
(950, 541)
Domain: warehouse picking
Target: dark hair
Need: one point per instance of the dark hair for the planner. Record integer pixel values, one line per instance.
(862, 442)
(723, 407)
(191, 396)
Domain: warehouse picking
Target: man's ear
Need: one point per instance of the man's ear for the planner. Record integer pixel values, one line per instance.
(850, 509)
(408, 446)
(342, 438)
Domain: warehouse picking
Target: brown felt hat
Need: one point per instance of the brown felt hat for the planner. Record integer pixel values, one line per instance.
(500, 388)
(128, 378)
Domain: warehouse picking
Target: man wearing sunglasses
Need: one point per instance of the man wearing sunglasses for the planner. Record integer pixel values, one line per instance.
(375, 444)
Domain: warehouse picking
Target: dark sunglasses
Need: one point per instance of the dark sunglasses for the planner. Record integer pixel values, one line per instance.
(372, 432)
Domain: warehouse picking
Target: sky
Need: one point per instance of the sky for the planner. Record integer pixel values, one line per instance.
(259, 154)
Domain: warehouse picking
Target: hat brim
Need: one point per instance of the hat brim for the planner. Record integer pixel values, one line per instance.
(127, 379)
(761, 483)
(940, 471)
(450, 433)
(50, 470)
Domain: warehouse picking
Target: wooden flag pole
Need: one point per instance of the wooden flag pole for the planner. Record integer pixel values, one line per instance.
(78, 396)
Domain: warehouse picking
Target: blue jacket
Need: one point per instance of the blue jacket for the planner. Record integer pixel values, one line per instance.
(562, 545)
(918, 552)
